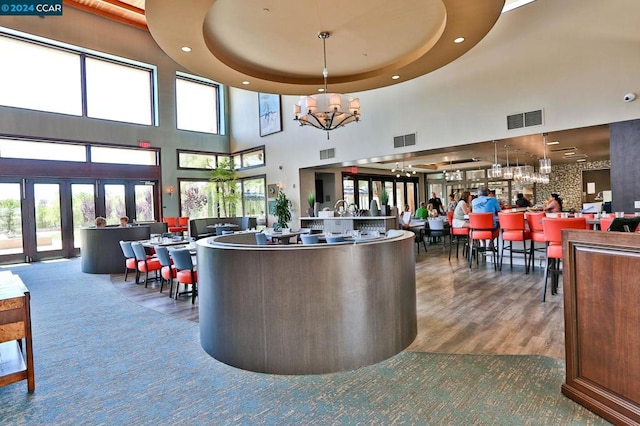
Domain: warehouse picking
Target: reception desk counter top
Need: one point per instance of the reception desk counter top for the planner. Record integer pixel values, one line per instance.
(306, 309)
(100, 251)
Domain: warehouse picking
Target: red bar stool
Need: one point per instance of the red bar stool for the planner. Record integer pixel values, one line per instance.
(513, 229)
(553, 235)
(460, 234)
(482, 228)
(605, 222)
(534, 220)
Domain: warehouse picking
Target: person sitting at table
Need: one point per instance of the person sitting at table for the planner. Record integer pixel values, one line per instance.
(486, 204)
(521, 201)
(554, 204)
(462, 209)
(124, 221)
(436, 202)
(422, 211)
(432, 212)
(101, 222)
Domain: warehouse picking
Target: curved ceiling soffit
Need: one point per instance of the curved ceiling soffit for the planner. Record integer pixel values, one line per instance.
(274, 46)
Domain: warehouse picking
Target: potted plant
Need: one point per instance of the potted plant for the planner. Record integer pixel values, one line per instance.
(282, 210)
(384, 201)
(311, 199)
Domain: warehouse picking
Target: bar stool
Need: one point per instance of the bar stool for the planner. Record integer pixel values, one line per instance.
(460, 234)
(513, 229)
(482, 228)
(553, 235)
(605, 223)
(534, 220)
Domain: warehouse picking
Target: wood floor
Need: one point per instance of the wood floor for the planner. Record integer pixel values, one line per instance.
(460, 310)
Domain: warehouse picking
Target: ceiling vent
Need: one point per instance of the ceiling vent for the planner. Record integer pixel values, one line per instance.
(524, 119)
(327, 153)
(564, 149)
(404, 140)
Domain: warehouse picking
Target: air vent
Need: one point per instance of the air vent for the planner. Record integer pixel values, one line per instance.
(524, 119)
(404, 140)
(327, 153)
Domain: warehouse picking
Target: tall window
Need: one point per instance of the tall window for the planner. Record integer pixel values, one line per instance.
(43, 76)
(201, 198)
(196, 105)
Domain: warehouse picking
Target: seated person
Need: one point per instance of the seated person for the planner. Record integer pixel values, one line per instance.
(432, 212)
(462, 209)
(436, 202)
(101, 222)
(486, 204)
(452, 203)
(124, 221)
(521, 201)
(554, 204)
(422, 212)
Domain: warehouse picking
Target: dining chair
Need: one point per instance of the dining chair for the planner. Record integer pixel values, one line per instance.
(534, 220)
(303, 231)
(553, 235)
(186, 273)
(332, 239)
(145, 263)
(436, 229)
(168, 271)
(482, 228)
(261, 239)
(513, 229)
(130, 263)
(309, 238)
(460, 234)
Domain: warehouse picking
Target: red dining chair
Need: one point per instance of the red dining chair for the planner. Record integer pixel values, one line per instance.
(513, 229)
(168, 271)
(553, 235)
(482, 228)
(130, 263)
(460, 234)
(534, 220)
(145, 263)
(187, 273)
(605, 222)
(589, 216)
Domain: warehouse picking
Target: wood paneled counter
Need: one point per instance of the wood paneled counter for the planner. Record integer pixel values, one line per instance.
(306, 309)
(601, 282)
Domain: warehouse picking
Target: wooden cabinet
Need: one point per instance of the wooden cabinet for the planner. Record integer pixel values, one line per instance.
(16, 351)
(601, 280)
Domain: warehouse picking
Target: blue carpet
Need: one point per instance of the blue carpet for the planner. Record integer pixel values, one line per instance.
(102, 359)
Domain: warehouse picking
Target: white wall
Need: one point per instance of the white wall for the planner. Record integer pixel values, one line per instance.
(573, 58)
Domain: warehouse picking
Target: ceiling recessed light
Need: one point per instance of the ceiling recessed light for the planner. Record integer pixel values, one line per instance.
(458, 40)
(321, 90)
(582, 160)
(395, 77)
(246, 83)
(186, 49)
(570, 153)
(553, 143)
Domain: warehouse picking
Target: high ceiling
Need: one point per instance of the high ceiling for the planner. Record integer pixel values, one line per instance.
(275, 56)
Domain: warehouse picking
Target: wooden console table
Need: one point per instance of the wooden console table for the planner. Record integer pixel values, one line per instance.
(16, 350)
(601, 305)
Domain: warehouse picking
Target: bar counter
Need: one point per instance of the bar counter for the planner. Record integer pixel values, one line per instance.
(306, 309)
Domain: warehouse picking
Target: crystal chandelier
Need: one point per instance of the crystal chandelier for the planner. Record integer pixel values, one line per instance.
(326, 111)
(496, 168)
(403, 171)
(545, 163)
(507, 172)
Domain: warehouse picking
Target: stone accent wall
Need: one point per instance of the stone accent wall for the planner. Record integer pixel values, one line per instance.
(566, 181)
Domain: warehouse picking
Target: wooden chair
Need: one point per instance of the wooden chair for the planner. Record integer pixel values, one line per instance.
(186, 273)
(553, 235)
(145, 263)
(513, 229)
(482, 228)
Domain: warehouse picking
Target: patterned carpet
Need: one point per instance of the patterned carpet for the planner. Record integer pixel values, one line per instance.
(101, 359)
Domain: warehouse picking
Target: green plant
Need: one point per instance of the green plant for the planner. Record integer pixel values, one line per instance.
(282, 210)
(224, 176)
(384, 197)
(311, 199)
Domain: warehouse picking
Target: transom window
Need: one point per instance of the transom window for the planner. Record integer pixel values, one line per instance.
(196, 104)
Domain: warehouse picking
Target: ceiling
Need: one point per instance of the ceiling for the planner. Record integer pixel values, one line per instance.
(292, 56)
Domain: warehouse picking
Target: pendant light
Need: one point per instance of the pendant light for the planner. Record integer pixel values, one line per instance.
(507, 172)
(545, 163)
(496, 168)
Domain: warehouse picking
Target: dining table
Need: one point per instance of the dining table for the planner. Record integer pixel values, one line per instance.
(220, 227)
(284, 237)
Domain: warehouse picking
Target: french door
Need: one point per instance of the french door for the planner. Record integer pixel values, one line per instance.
(41, 218)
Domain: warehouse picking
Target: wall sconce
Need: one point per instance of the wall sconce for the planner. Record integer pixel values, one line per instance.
(169, 190)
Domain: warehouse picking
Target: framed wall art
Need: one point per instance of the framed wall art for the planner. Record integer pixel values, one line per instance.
(270, 115)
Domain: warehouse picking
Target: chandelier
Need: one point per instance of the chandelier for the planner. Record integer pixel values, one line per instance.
(496, 168)
(326, 111)
(545, 163)
(408, 171)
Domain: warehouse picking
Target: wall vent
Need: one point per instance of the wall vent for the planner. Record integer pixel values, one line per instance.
(327, 153)
(404, 140)
(524, 119)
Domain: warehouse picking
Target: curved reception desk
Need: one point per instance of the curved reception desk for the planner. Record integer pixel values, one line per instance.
(100, 251)
(306, 309)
